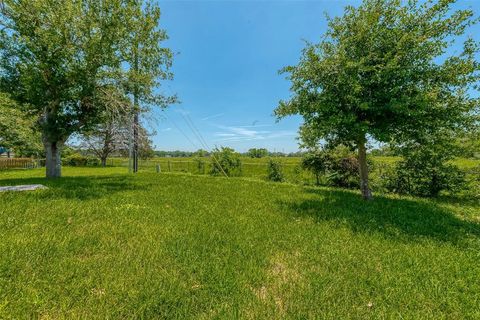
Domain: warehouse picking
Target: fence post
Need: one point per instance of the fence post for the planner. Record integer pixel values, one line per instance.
(169, 166)
(158, 168)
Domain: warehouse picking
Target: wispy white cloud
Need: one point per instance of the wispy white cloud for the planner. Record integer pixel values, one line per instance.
(213, 116)
(256, 126)
(247, 133)
(221, 134)
(166, 129)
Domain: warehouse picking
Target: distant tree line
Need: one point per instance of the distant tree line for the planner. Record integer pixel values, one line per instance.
(252, 153)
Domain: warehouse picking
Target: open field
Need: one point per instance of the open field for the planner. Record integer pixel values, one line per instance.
(103, 244)
(257, 167)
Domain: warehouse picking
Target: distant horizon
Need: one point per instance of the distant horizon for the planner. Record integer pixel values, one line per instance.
(226, 70)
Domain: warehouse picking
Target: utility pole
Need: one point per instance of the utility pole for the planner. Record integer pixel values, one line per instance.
(136, 110)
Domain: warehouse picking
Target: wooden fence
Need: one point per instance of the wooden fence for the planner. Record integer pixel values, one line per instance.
(21, 163)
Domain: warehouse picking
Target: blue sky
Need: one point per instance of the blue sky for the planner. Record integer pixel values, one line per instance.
(226, 70)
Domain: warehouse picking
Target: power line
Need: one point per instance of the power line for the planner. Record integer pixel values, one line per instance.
(181, 131)
(199, 136)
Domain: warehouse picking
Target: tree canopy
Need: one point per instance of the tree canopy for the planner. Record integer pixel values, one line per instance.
(383, 71)
(58, 62)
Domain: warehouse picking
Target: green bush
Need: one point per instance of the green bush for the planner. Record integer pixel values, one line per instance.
(200, 165)
(424, 173)
(338, 167)
(274, 171)
(257, 153)
(344, 172)
(226, 160)
(318, 162)
(78, 160)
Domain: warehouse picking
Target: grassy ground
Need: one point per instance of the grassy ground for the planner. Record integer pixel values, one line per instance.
(101, 244)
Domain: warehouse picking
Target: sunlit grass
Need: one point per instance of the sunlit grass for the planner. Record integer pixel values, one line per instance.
(100, 243)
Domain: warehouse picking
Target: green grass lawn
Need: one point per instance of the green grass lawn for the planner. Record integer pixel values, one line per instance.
(100, 244)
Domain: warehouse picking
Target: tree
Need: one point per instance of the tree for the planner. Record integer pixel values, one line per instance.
(200, 153)
(383, 72)
(145, 144)
(318, 162)
(469, 142)
(257, 153)
(57, 61)
(112, 133)
(105, 139)
(114, 136)
(148, 63)
(226, 161)
(274, 171)
(16, 129)
(425, 169)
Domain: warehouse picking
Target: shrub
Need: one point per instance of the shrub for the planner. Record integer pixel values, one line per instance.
(339, 166)
(77, 160)
(344, 172)
(318, 162)
(424, 172)
(257, 153)
(200, 164)
(226, 160)
(274, 171)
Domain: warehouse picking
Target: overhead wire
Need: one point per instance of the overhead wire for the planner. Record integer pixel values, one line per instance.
(199, 136)
(181, 131)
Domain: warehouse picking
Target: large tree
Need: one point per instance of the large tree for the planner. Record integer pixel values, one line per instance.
(57, 55)
(384, 71)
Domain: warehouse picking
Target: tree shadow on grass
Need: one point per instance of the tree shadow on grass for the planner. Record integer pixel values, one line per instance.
(80, 187)
(396, 218)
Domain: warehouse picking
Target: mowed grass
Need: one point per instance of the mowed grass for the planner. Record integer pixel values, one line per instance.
(101, 244)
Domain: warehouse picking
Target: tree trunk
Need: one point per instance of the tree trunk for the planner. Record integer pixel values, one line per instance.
(362, 160)
(104, 161)
(53, 163)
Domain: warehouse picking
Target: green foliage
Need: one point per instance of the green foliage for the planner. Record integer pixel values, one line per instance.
(318, 162)
(257, 152)
(59, 62)
(78, 160)
(16, 129)
(469, 142)
(201, 153)
(145, 150)
(109, 245)
(274, 171)
(425, 171)
(200, 164)
(384, 71)
(344, 172)
(338, 166)
(226, 161)
(384, 151)
(375, 73)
